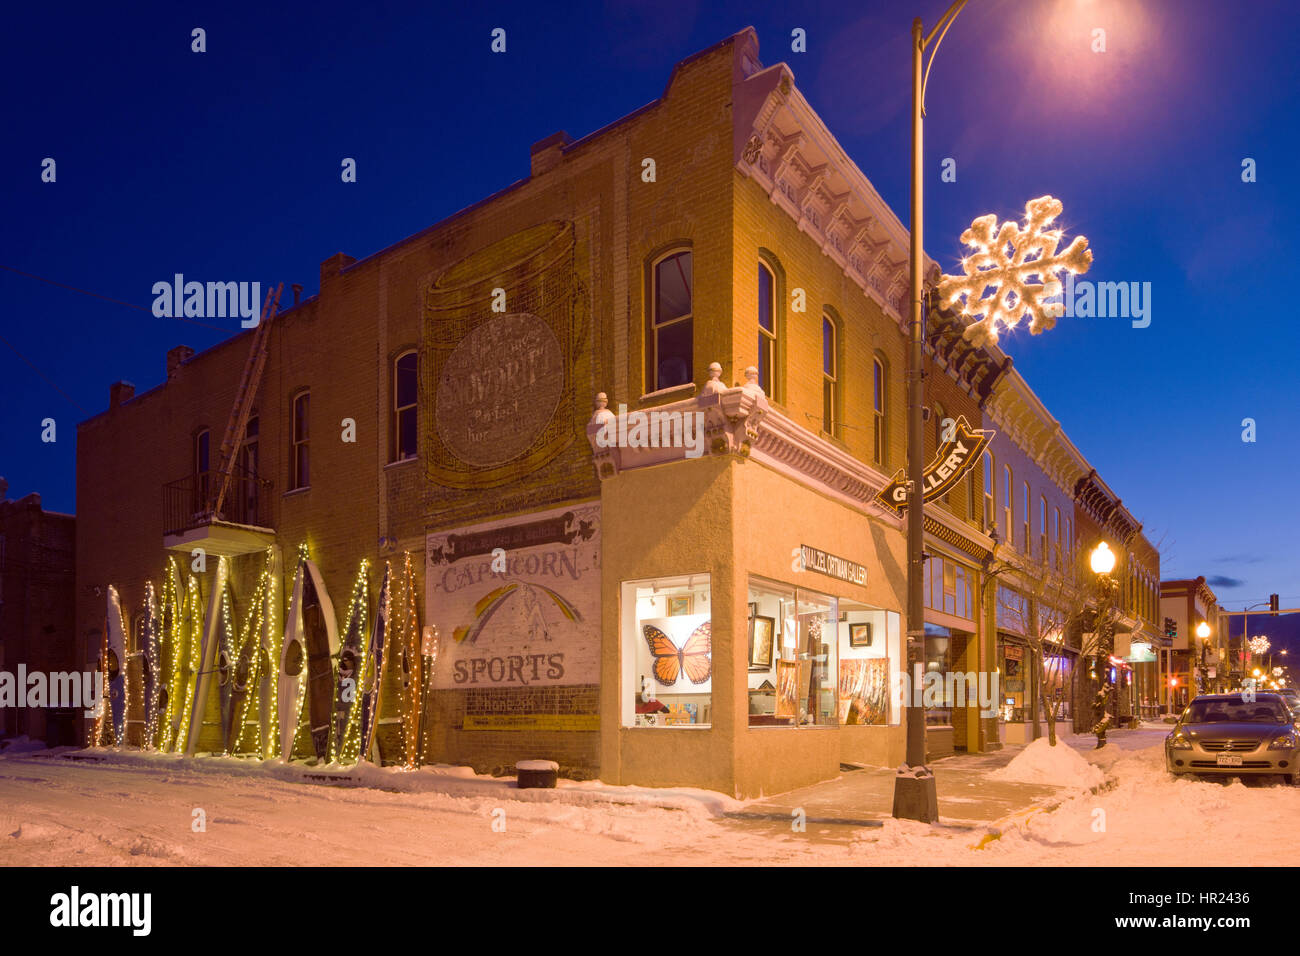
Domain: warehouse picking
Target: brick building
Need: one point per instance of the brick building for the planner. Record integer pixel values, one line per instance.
(726, 615)
(36, 610)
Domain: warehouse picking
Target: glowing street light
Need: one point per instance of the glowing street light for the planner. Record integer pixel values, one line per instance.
(1102, 559)
(1203, 630)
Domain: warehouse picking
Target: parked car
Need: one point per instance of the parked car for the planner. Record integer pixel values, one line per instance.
(1292, 698)
(1235, 735)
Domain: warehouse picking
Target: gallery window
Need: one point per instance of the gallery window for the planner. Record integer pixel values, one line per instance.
(767, 341)
(300, 463)
(817, 661)
(667, 644)
(669, 342)
(878, 392)
(405, 416)
(947, 586)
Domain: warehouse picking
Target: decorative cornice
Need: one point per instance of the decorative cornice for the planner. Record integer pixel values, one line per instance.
(783, 145)
(740, 422)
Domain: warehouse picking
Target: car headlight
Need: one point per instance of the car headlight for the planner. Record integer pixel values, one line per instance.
(1179, 741)
(1286, 741)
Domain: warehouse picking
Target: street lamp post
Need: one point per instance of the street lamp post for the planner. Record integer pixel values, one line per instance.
(1203, 635)
(1102, 561)
(914, 793)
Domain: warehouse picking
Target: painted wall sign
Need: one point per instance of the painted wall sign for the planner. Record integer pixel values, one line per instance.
(517, 602)
(833, 565)
(953, 460)
(501, 338)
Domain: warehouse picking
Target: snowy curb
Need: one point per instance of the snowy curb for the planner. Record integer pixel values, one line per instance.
(1019, 820)
(445, 779)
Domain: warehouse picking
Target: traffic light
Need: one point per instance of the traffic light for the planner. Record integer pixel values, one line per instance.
(1171, 628)
(1272, 603)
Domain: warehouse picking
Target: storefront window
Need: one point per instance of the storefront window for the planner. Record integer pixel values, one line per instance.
(792, 651)
(667, 652)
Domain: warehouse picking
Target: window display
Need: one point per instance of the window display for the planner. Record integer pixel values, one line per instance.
(667, 652)
(815, 660)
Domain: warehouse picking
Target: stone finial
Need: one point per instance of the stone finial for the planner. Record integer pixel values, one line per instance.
(751, 381)
(601, 413)
(714, 384)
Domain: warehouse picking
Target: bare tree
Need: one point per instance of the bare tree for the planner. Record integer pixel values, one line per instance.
(1055, 599)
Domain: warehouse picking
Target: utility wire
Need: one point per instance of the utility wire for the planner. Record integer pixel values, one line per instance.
(48, 381)
(96, 295)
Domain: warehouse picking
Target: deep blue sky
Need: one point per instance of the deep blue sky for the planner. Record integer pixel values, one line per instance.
(225, 165)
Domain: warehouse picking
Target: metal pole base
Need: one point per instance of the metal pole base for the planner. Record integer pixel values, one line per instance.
(915, 798)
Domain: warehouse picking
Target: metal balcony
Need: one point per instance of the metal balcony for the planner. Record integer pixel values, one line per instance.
(242, 526)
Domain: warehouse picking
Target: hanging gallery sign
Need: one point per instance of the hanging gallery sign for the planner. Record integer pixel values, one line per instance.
(517, 602)
(955, 457)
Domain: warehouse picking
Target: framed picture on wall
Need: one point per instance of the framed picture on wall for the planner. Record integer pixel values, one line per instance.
(761, 635)
(681, 605)
(860, 635)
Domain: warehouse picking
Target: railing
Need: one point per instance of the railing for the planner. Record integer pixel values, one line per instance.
(186, 502)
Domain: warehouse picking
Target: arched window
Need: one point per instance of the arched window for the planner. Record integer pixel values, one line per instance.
(1042, 530)
(939, 414)
(202, 469)
(990, 492)
(403, 433)
(670, 354)
(299, 424)
(1024, 516)
(767, 332)
(244, 494)
(879, 398)
(830, 375)
(1008, 496)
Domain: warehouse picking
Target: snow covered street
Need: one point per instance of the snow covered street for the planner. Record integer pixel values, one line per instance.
(55, 810)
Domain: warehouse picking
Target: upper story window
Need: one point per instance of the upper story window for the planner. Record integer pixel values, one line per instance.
(1008, 495)
(403, 433)
(1042, 530)
(830, 376)
(990, 492)
(245, 491)
(767, 341)
(300, 464)
(878, 393)
(939, 414)
(670, 352)
(1056, 537)
(202, 468)
(1024, 516)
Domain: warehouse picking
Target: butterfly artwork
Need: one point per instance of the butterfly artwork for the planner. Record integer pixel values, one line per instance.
(694, 659)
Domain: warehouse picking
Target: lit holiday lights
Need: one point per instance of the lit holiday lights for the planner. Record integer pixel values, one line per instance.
(152, 664)
(407, 643)
(173, 620)
(347, 748)
(192, 623)
(1008, 258)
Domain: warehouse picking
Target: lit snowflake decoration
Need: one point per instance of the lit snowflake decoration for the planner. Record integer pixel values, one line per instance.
(1259, 645)
(1020, 265)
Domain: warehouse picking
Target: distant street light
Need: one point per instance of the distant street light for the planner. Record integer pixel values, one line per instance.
(1102, 561)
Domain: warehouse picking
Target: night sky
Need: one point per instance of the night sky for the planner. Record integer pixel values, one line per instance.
(225, 165)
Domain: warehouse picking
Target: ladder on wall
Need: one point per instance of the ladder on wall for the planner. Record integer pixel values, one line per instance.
(249, 382)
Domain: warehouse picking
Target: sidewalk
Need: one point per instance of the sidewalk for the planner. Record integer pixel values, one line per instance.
(968, 799)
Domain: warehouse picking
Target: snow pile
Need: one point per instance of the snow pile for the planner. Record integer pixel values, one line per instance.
(1059, 766)
(21, 745)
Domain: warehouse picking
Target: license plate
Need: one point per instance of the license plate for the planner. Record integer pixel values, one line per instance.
(1229, 760)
